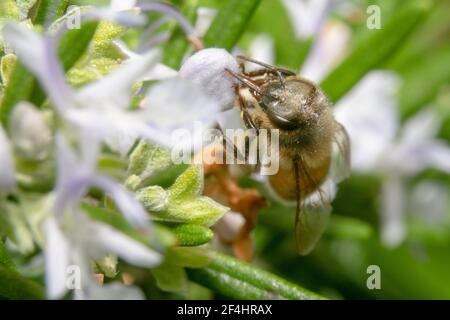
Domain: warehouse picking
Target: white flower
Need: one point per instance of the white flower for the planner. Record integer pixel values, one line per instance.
(206, 68)
(380, 145)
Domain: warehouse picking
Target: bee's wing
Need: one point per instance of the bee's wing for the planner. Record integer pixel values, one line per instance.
(312, 213)
(340, 165)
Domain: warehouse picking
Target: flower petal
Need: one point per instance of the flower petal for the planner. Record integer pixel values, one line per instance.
(112, 291)
(261, 49)
(38, 54)
(393, 229)
(114, 90)
(423, 126)
(56, 259)
(306, 16)
(125, 201)
(328, 50)
(368, 112)
(176, 103)
(119, 5)
(205, 16)
(115, 242)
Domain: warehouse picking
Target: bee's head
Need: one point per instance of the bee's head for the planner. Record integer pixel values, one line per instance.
(292, 104)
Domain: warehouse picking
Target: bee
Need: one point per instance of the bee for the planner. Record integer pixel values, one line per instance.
(314, 148)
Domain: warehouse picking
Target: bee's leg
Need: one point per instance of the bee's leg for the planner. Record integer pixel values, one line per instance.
(248, 121)
(256, 73)
(242, 66)
(248, 82)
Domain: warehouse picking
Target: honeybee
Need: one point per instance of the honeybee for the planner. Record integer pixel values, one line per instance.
(314, 148)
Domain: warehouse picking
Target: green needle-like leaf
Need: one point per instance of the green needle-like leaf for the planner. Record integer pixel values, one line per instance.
(20, 85)
(49, 10)
(14, 286)
(229, 23)
(5, 259)
(227, 285)
(240, 280)
(423, 82)
(177, 45)
(377, 46)
(192, 234)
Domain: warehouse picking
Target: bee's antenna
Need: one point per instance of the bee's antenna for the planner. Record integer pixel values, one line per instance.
(268, 66)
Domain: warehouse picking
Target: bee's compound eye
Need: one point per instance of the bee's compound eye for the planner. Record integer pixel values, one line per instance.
(283, 123)
(278, 119)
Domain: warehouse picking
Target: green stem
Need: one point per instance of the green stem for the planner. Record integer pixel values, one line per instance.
(177, 45)
(227, 285)
(230, 22)
(236, 279)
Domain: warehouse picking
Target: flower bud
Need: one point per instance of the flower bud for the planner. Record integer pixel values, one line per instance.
(30, 135)
(6, 66)
(153, 198)
(132, 182)
(206, 68)
(147, 159)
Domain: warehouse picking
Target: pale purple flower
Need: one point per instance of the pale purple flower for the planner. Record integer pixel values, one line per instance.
(102, 106)
(74, 241)
(381, 146)
(369, 113)
(73, 238)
